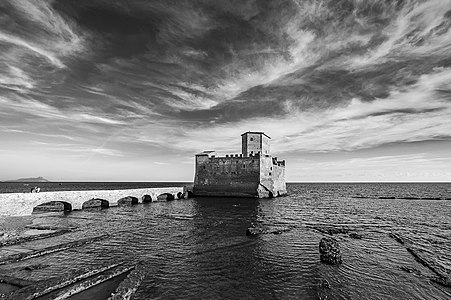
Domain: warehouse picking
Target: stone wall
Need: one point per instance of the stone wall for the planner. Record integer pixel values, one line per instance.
(279, 185)
(227, 176)
(266, 174)
(255, 176)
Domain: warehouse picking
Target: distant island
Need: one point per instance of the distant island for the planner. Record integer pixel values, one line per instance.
(31, 179)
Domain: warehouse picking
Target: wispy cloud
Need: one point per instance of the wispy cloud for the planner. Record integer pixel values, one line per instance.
(149, 80)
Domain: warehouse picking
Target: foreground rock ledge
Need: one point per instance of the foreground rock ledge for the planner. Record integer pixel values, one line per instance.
(329, 250)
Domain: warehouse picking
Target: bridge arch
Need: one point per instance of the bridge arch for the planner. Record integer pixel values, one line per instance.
(166, 196)
(127, 201)
(95, 203)
(146, 198)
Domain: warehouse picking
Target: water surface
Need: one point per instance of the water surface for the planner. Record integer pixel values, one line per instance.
(197, 248)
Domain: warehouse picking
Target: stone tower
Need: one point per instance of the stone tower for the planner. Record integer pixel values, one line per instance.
(253, 173)
(254, 143)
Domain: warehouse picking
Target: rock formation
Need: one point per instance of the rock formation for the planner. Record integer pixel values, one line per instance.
(329, 250)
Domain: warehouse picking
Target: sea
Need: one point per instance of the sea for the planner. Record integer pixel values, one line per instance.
(395, 240)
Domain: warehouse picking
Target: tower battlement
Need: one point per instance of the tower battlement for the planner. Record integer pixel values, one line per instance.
(253, 173)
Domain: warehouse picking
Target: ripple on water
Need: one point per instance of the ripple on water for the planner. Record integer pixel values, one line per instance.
(197, 248)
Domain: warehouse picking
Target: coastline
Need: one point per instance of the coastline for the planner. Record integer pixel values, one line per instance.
(22, 204)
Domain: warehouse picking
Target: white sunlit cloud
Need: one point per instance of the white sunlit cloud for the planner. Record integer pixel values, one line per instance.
(354, 126)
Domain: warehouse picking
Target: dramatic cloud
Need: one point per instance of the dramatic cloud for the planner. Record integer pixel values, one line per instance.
(150, 83)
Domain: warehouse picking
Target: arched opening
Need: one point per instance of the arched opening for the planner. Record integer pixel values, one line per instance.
(95, 204)
(127, 201)
(165, 196)
(52, 206)
(146, 198)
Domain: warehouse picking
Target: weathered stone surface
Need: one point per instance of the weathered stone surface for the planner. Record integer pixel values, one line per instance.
(128, 287)
(65, 285)
(22, 239)
(165, 196)
(52, 206)
(96, 203)
(51, 249)
(330, 251)
(146, 198)
(127, 201)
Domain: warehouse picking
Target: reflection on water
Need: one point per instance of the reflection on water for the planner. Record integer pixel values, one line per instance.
(197, 248)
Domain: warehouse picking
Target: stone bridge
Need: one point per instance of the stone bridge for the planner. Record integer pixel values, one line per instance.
(17, 204)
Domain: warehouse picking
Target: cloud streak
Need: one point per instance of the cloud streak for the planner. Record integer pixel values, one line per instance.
(168, 79)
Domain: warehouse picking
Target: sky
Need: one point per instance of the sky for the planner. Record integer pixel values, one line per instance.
(102, 90)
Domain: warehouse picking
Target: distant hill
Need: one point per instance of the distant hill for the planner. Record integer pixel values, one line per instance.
(31, 179)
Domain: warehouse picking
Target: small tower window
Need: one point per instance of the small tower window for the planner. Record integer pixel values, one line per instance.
(244, 166)
(251, 139)
(269, 173)
(205, 167)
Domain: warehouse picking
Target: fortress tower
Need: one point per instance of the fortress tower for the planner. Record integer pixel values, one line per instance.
(253, 173)
(254, 142)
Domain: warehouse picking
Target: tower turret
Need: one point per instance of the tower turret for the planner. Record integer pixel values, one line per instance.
(254, 142)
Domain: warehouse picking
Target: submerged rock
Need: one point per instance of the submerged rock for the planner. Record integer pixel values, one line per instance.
(443, 281)
(255, 230)
(355, 235)
(329, 250)
(331, 229)
(35, 267)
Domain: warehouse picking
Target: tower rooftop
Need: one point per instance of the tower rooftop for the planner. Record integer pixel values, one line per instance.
(257, 132)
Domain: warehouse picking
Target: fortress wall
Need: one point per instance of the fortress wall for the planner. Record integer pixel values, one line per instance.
(266, 172)
(279, 184)
(272, 176)
(227, 176)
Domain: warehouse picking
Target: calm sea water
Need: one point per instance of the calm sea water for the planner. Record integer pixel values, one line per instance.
(25, 187)
(198, 249)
